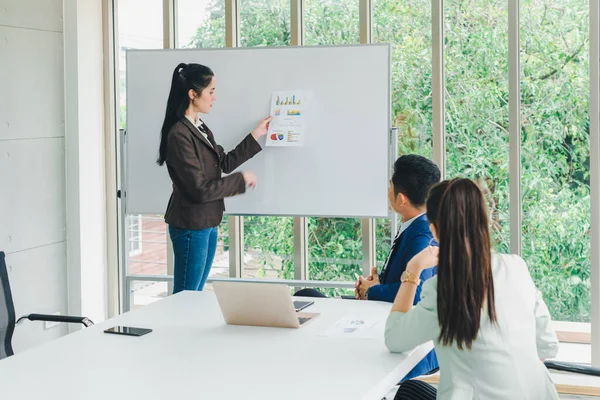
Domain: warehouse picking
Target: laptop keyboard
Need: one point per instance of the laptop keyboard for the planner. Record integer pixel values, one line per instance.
(303, 320)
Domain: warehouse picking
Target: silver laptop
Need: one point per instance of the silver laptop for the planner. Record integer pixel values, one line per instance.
(259, 304)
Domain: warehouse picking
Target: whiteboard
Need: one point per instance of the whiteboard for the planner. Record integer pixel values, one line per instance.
(343, 168)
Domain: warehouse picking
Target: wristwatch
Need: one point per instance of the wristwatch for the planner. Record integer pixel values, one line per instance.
(408, 276)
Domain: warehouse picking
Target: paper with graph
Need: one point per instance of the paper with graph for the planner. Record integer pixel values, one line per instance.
(358, 327)
(288, 124)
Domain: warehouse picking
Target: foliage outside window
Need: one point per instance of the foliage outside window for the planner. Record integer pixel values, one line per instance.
(555, 123)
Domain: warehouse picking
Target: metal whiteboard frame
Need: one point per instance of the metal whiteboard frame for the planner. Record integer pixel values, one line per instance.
(286, 48)
(300, 278)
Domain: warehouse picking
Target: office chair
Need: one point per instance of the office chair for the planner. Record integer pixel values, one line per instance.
(572, 367)
(7, 314)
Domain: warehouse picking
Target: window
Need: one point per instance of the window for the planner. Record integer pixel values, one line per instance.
(334, 244)
(134, 233)
(268, 241)
(137, 31)
(264, 23)
(476, 60)
(143, 293)
(220, 266)
(335, 249)
(151, 257)
(147, 233)
(406, 26)
(331, 22)
(555, 148)
(200, 23)
(555, 151)
(269, 247)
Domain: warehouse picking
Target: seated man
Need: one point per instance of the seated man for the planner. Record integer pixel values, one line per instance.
(412, 178)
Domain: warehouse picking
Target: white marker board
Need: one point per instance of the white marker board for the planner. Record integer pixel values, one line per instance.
(344, 166)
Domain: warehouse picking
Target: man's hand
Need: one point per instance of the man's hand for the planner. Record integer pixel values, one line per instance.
(362, 284)
(369, 278)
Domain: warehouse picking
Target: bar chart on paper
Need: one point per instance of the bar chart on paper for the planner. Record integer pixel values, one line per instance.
(288, 127)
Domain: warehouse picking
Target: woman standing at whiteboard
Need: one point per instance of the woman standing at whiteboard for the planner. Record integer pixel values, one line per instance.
(195, 162)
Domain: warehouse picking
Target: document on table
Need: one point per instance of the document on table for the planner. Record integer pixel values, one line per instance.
(356, 327)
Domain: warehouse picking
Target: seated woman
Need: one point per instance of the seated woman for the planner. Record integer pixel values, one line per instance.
(489, 324)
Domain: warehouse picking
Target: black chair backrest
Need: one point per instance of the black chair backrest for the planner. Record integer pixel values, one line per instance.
(7, 311)
(572, 367)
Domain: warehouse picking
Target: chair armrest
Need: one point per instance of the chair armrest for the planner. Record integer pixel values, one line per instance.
(572, 367)
(57, 318)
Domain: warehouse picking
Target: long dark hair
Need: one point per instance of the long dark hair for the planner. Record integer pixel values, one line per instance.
(185, 77)
(458, 212)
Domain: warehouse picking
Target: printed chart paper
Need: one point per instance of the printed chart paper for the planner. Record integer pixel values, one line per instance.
(355, 327)
(288, 124)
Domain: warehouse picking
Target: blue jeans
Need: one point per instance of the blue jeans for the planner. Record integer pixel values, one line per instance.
(194, 253)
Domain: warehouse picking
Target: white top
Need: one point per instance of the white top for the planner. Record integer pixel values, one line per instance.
(193, 354)
(197, 127)
(504, 362)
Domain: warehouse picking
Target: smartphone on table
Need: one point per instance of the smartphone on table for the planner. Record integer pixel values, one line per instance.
(128, 331)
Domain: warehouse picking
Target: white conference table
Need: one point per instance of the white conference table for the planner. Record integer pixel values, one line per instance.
(193, 354)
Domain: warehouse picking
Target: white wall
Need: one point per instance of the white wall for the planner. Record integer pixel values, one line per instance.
(86, 204)
(52, 195)
(32, 162)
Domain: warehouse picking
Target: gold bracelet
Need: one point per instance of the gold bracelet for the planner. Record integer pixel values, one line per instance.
(408, 276)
